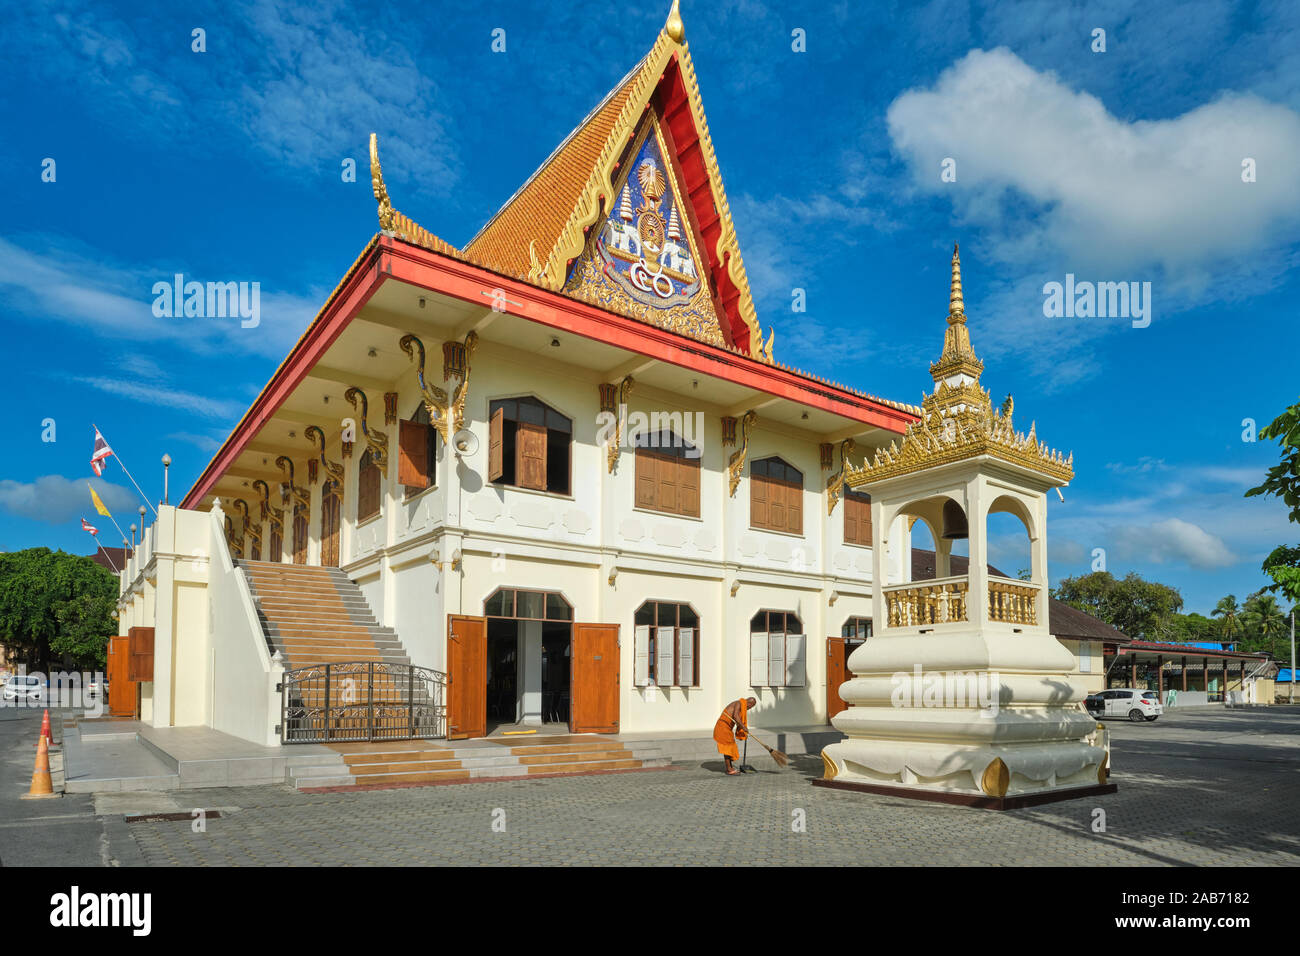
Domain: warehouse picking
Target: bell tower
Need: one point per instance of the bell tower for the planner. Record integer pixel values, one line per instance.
(963, 693)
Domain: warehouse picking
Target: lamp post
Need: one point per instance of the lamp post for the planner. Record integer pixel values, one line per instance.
(166, 463)
(132, 538)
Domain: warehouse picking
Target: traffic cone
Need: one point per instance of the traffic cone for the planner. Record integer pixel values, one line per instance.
(42, 785)
(45, 727)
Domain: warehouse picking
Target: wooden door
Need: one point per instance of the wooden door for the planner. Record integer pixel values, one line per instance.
(530, 456)
(837, 672)
(300, 531)
(329, 531)
(466, 677)
(121, 690)
(594, 679)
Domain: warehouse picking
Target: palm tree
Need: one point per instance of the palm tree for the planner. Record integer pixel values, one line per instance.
(1231, 614)
(1266, 619)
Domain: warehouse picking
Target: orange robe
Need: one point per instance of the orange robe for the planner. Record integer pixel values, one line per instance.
(723, 734)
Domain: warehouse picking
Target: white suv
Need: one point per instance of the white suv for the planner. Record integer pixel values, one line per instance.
(1135, 704)
(24, 688)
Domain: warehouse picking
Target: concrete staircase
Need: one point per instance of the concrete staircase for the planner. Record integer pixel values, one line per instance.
(405, 762)
(315, 615)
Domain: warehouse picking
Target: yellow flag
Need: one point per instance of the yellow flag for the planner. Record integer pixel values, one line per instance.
(99, 505)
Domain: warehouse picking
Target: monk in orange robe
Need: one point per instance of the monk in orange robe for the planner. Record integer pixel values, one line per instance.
(731, 727)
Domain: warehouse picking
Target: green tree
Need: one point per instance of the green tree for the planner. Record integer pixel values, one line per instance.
(1229, 615)
(54, 604)
(1266, 622)
(1283, 479)
(1142, 609)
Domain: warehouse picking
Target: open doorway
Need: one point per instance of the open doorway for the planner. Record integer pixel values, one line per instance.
(529, 647)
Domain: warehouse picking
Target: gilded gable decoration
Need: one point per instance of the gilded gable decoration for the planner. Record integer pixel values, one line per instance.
(376, 441)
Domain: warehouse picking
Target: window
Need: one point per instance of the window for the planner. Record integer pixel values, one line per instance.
(529, 445)
(857, 627)
(368, 487)
(775, 496)
(777, 646)
(667, 474)
(528, 605)
(417, 466)
(857, 518)
(667, 645)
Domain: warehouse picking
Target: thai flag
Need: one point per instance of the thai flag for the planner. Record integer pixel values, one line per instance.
(101, 452)
(86, 526)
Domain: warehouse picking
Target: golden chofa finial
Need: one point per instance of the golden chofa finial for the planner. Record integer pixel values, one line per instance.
(956, 307)
(675, 29)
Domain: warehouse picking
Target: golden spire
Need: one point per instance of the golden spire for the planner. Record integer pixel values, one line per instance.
(675, 28)
(956, 307)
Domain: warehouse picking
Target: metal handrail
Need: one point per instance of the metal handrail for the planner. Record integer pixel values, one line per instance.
(362, 701)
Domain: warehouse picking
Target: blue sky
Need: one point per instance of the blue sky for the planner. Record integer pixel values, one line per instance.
(1123, 165)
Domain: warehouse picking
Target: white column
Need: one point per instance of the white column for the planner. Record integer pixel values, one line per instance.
(530, 670)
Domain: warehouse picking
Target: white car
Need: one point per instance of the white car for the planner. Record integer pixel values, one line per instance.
(24, 688)
(1134, 703)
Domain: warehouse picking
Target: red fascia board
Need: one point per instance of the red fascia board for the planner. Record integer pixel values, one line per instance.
(320, 335)
(1178, 650)
(469, 283)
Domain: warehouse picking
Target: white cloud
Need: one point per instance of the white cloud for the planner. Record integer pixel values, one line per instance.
(1123, 199)
(150, 393)
(55, 499)
(1174, 541)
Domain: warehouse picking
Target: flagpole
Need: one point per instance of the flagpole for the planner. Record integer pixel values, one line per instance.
(106, 557)
(128, 474)
(109, 516)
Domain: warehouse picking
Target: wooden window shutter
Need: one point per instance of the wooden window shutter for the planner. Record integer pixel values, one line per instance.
(777, 508)
(141, 647)
(641, 668)
(666, 484)
(530, 456)
(688, 486)
(758, 659)
(368, 491)
(851, 521)
(686, 657)
(646, 482)
(794, 509)
(758, 503)
(776, 659)
(795, 669)
(864, 521)
(413, 457)
(665, 652)
(496, 464)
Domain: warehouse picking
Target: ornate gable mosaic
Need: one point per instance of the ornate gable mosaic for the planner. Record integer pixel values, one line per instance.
(643, 259)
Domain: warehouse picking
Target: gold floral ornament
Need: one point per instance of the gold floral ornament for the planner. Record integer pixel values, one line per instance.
(376, 441)
(835, 484)
(274, 515)
(446, 413)
(290, 491)
(314, 433)
(736, 464)
(958, 421)
(616, 440)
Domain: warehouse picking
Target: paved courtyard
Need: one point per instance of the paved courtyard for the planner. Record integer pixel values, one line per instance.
(1205, 788)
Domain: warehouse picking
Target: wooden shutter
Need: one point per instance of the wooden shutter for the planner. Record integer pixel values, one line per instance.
(665, 652)
(496, 463)
(794, 508)
(141, 665)
(758, 659)
(796, 646)
(368, 491)
(776, 659)
(688, 486)
(666, 484)
(530, 456)
(641, 648)
(686, 657)
(647, 463)
(777, 516)
(413, 456)
(758, 501)
(857, 519)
